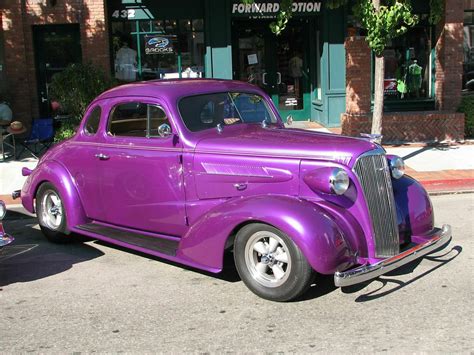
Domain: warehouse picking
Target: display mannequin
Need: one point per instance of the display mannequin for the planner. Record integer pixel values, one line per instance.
(126, 63)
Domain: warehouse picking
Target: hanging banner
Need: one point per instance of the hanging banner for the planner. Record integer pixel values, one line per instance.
(260, 9)
(156, 44)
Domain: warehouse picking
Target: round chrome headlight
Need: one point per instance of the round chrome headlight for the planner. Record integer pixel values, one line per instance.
(397, 167)
(3, 210)
(339, 181)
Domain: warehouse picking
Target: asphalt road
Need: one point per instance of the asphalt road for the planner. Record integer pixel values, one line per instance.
(93, 297)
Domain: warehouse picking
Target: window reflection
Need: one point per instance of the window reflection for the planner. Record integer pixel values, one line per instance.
(158, 49)
(468, 50)
(408, 66)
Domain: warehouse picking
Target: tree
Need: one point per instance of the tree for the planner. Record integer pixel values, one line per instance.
(383, 20)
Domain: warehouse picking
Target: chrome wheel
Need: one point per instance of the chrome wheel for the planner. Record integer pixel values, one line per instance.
(51, 210)
(268, 259)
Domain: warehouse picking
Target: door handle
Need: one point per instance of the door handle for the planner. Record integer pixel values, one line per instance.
(264, 75)
(102, 156)
(279, 78)
(240, 186)
(43, 99)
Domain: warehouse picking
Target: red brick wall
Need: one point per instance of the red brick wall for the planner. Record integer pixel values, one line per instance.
(18, 17)
(358, 75)
(449, 56)
(409, 126)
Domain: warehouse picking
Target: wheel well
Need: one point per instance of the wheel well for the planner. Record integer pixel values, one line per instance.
(231, 238)
(36, 192)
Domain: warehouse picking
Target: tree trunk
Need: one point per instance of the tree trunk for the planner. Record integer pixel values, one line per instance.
(378, 95)
(378, 87)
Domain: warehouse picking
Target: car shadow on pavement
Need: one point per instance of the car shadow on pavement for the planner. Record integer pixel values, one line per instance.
(31, 257)
(322, 285)
(228, 273)
(386, 281)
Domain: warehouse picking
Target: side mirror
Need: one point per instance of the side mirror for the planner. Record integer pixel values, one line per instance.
(289, 120)
(164, 130)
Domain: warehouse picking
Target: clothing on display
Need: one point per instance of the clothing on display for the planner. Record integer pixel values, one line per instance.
(126, 64)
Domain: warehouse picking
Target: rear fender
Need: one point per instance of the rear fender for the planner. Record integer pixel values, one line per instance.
(56, 174)
(311, 228)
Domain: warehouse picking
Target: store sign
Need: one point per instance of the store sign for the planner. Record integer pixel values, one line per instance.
(271, 9)
(390, 87)
(159, 45)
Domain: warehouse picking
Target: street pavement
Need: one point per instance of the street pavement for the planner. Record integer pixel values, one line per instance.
(89, 296)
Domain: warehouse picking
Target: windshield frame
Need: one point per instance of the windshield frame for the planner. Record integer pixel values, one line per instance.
(276, 120)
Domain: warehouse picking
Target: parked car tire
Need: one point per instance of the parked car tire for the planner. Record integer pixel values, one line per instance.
(270, 264)
(51, 214)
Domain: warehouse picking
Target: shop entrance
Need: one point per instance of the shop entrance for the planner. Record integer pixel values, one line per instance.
(278, 64)
(56, 46)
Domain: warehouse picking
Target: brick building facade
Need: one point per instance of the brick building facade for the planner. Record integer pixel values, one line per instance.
(19, 17)
(20, 77)
(440, 124)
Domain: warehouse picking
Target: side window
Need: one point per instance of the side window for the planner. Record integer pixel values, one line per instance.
(92, 123)
(136, 119)
(156, 117)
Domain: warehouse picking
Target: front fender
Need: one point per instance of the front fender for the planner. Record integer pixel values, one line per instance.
(56, 174)
(308, 225)
(414, 208)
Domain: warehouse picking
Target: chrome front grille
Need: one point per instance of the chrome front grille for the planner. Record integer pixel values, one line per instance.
(374, 176)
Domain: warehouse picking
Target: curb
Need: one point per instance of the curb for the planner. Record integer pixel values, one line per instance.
(450, 186)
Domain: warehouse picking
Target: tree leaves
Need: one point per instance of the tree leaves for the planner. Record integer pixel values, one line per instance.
(392, 20)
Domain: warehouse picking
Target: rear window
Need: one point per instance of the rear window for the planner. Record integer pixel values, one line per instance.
(202, 112)
(92, 122)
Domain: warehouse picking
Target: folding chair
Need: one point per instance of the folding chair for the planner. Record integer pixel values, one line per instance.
(40, 138)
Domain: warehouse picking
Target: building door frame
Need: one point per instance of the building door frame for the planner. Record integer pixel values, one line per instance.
(268, 75)
(55, 47)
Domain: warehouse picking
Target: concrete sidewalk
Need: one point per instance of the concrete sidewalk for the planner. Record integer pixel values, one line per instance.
(441, 168)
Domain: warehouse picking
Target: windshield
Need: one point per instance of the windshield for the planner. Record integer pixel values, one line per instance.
(202, 112)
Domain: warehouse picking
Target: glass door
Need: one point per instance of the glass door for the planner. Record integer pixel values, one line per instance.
(277, 64)
(56, 46)
(292, 71)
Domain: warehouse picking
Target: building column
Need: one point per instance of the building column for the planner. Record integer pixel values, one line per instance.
(16, 67)
(358, 76)
(95, 34)
(358, 117)
(449, 56)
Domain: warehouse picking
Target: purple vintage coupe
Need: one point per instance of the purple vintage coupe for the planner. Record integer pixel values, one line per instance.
(187, 169)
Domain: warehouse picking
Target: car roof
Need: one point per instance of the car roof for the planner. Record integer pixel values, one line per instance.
(178, 88)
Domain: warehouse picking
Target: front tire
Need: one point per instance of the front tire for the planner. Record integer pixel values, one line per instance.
(270, 264)
(51, 214)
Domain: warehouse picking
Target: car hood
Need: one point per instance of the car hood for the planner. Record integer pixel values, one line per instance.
(277, 142)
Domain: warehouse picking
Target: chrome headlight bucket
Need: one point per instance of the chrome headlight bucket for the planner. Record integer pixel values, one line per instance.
(397, 167)
(3, 210)
(339, 181)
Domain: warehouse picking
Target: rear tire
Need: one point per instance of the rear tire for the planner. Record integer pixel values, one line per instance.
(270, 264)
(51, 214)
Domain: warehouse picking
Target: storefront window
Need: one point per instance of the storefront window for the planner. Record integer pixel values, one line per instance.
(408, 66)
(468, 67)
(158, 49)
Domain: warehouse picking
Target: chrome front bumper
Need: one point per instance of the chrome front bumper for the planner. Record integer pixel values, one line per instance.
(5, 240)
(366, 272)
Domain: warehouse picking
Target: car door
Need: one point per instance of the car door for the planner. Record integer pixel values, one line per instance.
(79, 157)
(141, 171)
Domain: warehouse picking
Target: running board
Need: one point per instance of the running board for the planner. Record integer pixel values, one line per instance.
(164, 246)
